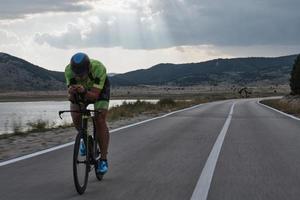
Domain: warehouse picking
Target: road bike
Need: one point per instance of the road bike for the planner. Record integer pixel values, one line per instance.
(83, 164)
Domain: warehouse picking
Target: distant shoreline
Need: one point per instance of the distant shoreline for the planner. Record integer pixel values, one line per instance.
(33, 96)
(150, 92)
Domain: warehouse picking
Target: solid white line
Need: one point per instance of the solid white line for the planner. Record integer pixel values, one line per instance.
(202, 188)
(112, 131)
(35, 154)
(288, 115)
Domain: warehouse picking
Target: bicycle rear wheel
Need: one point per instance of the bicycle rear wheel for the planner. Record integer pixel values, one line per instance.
(80, 166)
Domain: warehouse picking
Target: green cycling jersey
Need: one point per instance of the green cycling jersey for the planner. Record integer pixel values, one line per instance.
(97, 76)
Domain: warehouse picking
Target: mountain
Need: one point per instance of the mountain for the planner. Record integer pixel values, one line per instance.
(254, 70)
(111, 74)
(19, 75)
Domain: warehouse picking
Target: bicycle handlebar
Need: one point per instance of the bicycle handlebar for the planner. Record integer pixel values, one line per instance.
(76, 111)
(82, 107)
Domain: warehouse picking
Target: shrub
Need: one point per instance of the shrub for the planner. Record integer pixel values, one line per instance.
(38, 125)
(166, 102)
(17, 126)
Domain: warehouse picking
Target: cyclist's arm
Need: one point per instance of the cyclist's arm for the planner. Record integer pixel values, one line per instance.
(100, 76)
(71, 83)
(93, 94)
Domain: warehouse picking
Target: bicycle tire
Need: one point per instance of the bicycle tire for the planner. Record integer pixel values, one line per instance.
(80, 188)
(96, 150)
(99, 176)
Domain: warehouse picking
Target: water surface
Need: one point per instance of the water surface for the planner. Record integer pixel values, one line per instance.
(19, 114)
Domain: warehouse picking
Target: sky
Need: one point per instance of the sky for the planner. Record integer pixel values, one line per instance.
(126, 35)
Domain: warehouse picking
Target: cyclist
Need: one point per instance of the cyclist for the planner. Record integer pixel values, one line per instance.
(87, 78)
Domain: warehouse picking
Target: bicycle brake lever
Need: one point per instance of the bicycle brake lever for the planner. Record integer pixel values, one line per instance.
(59, 113)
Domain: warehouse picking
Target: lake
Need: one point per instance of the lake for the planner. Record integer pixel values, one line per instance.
(20, 113)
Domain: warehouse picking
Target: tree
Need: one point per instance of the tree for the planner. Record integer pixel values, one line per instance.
(244, 92)
(295, 77)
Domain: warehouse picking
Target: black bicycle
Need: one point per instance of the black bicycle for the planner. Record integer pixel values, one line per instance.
(83, 164)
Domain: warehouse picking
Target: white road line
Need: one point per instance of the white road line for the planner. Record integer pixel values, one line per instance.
(288, 115)
(202, 188)
(35, 154)
(112, 131)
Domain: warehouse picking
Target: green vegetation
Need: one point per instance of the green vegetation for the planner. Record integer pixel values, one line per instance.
(295, 78)
(283, 105)
(39, 125)
(17, 125)
(127, 110)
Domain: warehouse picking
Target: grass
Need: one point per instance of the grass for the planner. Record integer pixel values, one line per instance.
(127, 110)
(39, 125)
(286, 106)
(17, 125)
(33, 127)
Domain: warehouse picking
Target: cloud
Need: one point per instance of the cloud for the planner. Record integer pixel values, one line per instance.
(152, 24)
(13, 9)
(8, 38)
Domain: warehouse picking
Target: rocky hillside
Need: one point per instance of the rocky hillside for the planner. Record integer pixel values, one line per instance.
(240, 71)
(19, 75)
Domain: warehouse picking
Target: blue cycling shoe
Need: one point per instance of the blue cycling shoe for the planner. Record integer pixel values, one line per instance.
(102, 167)
(82, 150)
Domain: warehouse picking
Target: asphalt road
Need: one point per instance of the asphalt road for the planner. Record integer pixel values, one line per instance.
(164, 158)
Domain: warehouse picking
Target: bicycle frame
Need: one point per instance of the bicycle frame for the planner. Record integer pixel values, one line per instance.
(85, 115)
(91, 156)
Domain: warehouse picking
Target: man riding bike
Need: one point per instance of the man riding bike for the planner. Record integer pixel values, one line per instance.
(88, 79)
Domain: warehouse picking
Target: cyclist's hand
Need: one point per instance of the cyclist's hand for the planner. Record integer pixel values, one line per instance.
(80, 89)
(72, 90)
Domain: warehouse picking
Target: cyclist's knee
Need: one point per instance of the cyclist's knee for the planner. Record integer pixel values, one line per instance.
(101, 117)
(74, 106)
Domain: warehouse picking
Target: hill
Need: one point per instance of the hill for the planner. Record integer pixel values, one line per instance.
(19, 75)
(228, 71)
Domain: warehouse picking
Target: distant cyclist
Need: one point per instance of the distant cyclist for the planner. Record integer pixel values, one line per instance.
(87, 78)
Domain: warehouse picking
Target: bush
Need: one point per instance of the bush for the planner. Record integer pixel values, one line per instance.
(166, 102)
(38, 125)
(129, 110)
(17, 125)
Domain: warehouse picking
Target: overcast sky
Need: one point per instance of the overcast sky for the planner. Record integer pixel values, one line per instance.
(133, 34)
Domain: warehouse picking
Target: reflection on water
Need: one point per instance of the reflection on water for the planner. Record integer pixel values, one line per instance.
(19, 114)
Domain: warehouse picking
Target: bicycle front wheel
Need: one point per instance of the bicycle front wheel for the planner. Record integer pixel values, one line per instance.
(99, 176)
(80, 166)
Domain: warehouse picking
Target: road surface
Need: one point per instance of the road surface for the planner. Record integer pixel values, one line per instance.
(227, 150)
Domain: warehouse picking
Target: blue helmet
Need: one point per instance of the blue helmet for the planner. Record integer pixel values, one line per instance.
(80, 63)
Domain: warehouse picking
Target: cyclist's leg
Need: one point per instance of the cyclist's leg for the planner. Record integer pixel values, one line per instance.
(75, 116)
(101, 127)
